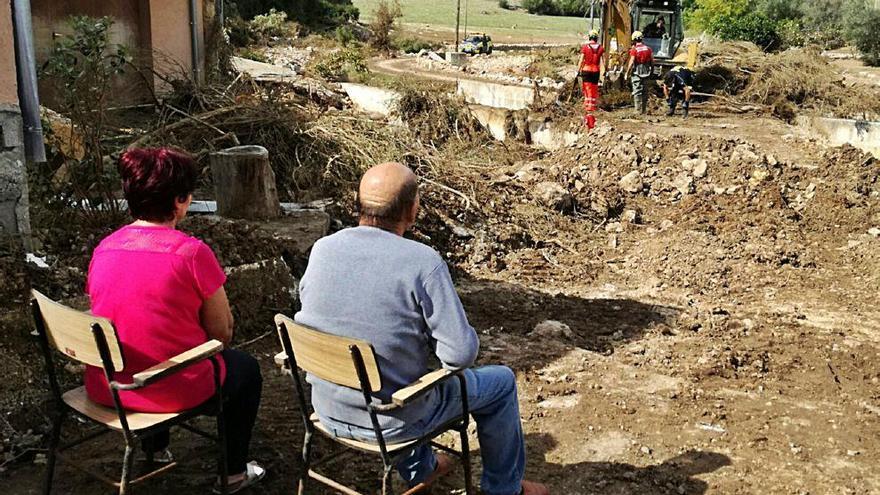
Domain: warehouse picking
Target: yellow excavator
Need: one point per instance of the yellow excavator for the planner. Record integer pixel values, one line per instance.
(660, 21)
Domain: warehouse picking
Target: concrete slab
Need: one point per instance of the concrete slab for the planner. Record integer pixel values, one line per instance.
(498, 121)
(496, 95)
(549, 137)
(262, 72)
(859, 133)
(368, 99)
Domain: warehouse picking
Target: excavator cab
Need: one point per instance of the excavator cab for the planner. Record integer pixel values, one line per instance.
(660, 22)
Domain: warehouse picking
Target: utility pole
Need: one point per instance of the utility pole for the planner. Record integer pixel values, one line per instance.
(457, 21)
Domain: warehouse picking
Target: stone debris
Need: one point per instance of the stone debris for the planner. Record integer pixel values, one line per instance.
(553, 196)
(632, 182)
(552, 329)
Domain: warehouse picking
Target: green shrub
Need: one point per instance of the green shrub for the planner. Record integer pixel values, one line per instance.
(412, 45)
(504, 4)
(340, 65)
(252, 54)
(238, 31)
(316, 13)
(269, 25)
(345, 35)
(557, 7)
(81, 68)
(752, 26)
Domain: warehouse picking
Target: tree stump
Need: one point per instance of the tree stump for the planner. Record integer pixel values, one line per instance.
(244, 183)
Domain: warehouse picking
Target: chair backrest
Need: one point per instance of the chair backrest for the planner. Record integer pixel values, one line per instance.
(70, 331)
(329, 356)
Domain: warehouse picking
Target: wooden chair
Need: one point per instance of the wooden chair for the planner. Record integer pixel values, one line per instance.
(92, 340)
(352, 363)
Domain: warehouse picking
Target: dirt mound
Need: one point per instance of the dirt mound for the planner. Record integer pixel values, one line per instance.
(733, 197)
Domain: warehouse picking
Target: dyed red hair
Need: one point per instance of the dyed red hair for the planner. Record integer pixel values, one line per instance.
(152, 178)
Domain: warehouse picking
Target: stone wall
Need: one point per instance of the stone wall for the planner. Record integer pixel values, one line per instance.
(13, 175)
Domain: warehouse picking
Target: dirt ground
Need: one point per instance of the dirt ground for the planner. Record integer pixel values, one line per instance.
(712, 290)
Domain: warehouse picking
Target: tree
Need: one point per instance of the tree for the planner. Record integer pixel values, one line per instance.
(384, 18)
(862, 28)
(706, 12)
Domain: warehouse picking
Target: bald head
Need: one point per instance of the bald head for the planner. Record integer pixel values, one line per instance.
(387, 196)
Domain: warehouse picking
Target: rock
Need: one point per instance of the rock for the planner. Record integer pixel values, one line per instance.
(632, 182)
(462, 232)
(631, 216)
(874, 231)
(257, 291)
(666, 224)
(553, 195)
(614, 227)
(530, 172)
(645, 450)
(684, 184)
(758, 176)
(771, 160)
(552, 329)
(701, 169)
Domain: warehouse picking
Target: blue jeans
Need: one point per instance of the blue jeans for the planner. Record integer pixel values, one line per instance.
(494, 406)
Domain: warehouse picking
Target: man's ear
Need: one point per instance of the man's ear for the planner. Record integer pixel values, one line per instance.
(414, 211)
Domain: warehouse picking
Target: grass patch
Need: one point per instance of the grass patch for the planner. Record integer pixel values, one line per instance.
(484, 16)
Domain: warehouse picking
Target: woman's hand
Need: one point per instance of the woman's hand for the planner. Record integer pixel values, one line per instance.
(216, 317)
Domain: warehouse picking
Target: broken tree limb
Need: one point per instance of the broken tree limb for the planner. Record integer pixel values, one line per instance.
(139, 142)
(244, 183)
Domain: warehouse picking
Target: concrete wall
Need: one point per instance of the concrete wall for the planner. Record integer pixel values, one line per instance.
(156, 32)
(496, 95)
(861, 134)
(171, 40)
(8, 87)
(130, 28)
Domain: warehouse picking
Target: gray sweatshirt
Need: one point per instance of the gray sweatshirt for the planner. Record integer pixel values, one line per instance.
(395, 293)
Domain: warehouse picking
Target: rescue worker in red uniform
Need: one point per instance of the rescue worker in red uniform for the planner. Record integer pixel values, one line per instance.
(641, 65)
(590, 69)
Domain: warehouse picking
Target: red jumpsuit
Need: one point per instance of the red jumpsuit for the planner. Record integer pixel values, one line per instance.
(589, 70)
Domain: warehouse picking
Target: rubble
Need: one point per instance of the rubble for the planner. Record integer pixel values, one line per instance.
(632, 182)
(552, 329)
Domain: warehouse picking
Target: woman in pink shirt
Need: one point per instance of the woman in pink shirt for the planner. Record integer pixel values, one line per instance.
(164, 292)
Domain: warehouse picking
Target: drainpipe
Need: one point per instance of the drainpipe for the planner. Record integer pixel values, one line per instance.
(194, 40)
(28, 96)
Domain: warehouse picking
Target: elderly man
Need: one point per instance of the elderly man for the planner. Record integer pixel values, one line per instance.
(370, 283)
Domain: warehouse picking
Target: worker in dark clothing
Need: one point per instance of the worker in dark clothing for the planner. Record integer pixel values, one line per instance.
(656, 29)
(677, 86)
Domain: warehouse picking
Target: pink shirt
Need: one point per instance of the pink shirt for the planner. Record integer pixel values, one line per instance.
(151, 283)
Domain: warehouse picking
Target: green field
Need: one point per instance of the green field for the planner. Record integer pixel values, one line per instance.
(435, 19)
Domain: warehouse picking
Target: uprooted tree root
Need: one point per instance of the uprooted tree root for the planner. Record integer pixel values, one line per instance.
(785, 83)
(436, 118)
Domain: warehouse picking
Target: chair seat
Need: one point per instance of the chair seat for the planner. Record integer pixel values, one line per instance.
(356, 444)
(79, 401)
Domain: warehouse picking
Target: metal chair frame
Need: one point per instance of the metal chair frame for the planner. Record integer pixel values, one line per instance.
(389, 458)
(211, 407)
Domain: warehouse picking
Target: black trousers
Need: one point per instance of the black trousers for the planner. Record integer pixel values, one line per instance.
(241, 400)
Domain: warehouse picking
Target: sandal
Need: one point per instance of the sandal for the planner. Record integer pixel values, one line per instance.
(253, 474)
(163, 457)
